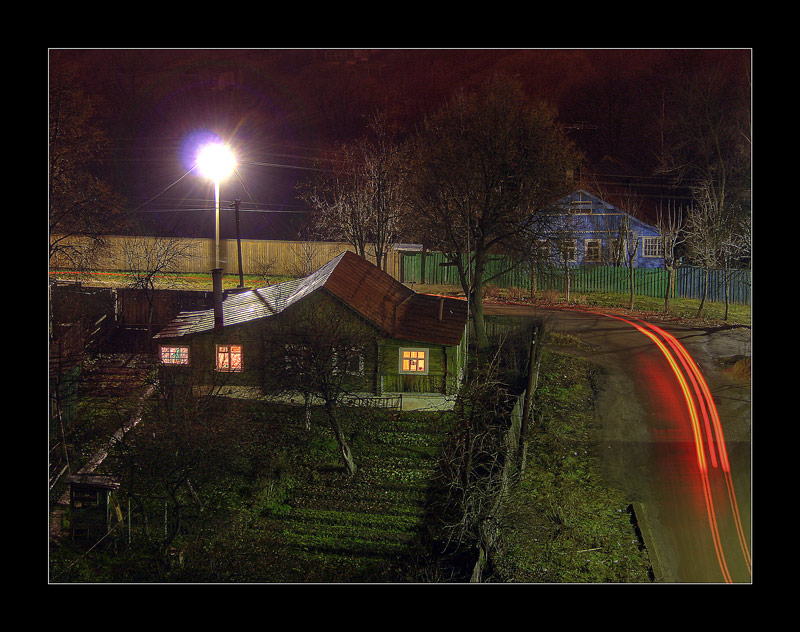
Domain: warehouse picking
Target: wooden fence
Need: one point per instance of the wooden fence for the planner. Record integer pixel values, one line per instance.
(689, 280)
(290, 258)
(300, 258)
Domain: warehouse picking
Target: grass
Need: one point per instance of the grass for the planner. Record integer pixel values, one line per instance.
(564, 524)
(288, 512)
(325, 526)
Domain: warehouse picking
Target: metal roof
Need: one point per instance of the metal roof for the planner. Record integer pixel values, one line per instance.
(392, 307)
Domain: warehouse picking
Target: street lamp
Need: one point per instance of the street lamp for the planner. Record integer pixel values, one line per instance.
(216, 162)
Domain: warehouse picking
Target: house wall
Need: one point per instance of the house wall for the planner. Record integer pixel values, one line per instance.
(444, 366)
(202, 357)
(380, 360)
(588, 218)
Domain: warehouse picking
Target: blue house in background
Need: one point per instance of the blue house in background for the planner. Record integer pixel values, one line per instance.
(594, 232)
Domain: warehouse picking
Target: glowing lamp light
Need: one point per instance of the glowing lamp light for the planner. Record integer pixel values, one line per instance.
(216, 161)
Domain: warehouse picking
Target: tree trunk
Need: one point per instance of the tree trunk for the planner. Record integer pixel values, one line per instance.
(631, 273)
(481, 339)
(670, 272)
(726, 279)
(307, 408)
(344, 448)
(703, 295)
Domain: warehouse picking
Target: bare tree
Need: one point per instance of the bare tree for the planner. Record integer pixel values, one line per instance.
(337, 194)
(482, 167)
(151, 260)
(383, 167)
(717, 233)
(628, 239)
(358, 199)
(317, 349)
(80, 202)
(670, 229)
(562, 237)
(473, 459)
(706, 132)
(304, 258)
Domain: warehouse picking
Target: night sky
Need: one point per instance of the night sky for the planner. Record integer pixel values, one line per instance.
(282, 109)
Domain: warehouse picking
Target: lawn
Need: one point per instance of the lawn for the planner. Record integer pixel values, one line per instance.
(283, 509)
(563, 523)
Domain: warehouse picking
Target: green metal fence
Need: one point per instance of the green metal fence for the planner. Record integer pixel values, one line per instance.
(689, 280)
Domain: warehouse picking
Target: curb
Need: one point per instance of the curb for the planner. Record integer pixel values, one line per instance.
(640, 520)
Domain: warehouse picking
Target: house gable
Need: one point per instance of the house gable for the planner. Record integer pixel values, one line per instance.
(592, 228)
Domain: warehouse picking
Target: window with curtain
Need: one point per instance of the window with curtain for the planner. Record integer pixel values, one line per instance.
(229, 357)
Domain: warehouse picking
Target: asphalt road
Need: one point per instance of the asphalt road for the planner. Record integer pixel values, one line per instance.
(661, 442)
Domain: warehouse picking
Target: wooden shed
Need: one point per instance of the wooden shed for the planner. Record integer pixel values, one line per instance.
(94, 508)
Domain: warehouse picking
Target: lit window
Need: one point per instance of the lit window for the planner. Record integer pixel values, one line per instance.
(174, 355)
(229, 357)
(414, 361)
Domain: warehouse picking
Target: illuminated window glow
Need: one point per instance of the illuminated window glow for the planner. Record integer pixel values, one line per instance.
(174, 355)
(414, 361)
(229, 358)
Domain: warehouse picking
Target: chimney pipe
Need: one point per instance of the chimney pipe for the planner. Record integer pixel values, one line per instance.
(441, 308)
(216, 277)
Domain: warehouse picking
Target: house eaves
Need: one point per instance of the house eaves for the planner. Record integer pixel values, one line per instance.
(376, 296)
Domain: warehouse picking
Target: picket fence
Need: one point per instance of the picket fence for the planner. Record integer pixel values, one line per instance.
(689, 280)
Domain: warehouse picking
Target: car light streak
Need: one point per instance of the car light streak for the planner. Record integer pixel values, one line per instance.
(714, 441)
(720, 439)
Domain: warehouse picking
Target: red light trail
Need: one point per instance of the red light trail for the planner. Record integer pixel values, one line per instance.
(709, 441)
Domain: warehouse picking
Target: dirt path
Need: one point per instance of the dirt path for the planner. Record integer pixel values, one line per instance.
(643, 439)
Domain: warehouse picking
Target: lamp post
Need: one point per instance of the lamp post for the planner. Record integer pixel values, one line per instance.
(216, 162)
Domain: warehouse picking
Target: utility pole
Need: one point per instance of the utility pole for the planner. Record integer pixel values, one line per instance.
(238, 240)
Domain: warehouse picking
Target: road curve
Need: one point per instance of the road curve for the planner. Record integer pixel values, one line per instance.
(672, 431)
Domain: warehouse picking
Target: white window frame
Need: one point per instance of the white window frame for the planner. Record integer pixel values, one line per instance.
(426, 359)
(648, 244)
(360, 369)
(542, 250)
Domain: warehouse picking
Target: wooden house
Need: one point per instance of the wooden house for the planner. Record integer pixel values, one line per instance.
(413, 345)
(591, 231)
